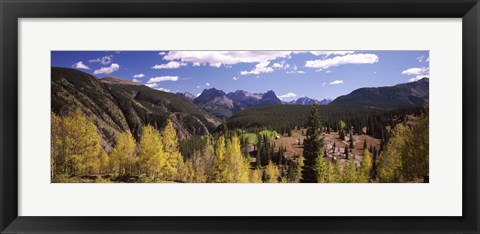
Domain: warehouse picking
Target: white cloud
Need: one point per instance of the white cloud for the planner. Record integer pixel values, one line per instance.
(323, 84)
(162, 53)
(288, 95)
(164, 90)
(259, 68)
(162, 78)
(281, 65)
(136, 80)
(107, 70)
(328, 53)
(328, 71)
(169, 65)
(236, 78)
(105, 60)
(342, 60)
(141, 75)
(207, 84)
(219, 58)
(80, 65)
(295, 72)
(198, 94)
(416, 71)
(152, 85)
(336, 82)
(423, 58)
(416, 78)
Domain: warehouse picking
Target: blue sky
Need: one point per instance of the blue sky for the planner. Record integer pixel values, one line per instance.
(291, 74)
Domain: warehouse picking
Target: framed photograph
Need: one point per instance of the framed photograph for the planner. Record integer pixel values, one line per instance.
(227, 116)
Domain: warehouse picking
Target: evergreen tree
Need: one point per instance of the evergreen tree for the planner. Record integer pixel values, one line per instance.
(313, 146)
(351, 140)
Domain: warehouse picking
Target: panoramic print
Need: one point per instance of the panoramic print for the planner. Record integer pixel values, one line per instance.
(240, 116)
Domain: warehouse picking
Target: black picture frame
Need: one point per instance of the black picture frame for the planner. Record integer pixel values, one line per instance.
(11, 11)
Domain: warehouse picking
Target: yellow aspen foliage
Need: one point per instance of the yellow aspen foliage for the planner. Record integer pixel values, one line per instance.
(272, 173)
(390, 161)
(170, 146)
(150, 154)
(237, 164)
(202, 162)
(365, 167)
(338, 171)
(81, 144)
(298, 172)
(122, 154)
(186, 172)
(321, 169)
(255, 176)
(350, 174)
(220, 161)
(104, 163)
(330, 178)
(57, 160)
(415, 154)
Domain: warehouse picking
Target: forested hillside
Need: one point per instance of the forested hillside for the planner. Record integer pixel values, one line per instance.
(120, 106)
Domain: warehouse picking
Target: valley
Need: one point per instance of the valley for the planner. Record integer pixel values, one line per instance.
(231, 137)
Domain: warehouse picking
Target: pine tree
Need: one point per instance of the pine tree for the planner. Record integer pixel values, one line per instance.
(258, 160)
(313, 146)
(351, 140)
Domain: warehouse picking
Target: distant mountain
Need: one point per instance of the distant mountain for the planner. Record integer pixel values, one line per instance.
(117, 105)
(215, 102)
(222, 105)
(186, 95)
(269, 98)
(244, 99)
(405, 95)
(309, 101)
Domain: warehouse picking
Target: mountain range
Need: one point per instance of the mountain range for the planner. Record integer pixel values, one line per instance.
(404, 95)
(118, 105)
(309, 101)
(222, 105)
